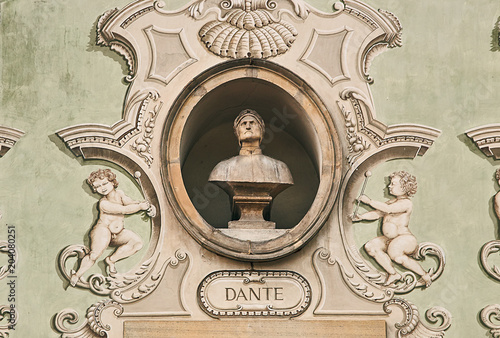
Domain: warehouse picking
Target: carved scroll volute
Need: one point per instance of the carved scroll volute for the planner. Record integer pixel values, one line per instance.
(386, 33)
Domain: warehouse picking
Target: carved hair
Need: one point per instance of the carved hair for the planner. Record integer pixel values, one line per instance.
(497, 174)
(102, 174)
(408, 182)
(252, 113)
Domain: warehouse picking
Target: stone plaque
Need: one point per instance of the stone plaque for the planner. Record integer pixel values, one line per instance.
(252, 329)
(254, 293)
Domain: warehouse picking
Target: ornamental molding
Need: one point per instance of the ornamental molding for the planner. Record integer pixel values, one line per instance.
(364, 130)
(8, 138)
(262, 293)
(487, 139)
(191, 70)
(81, 137)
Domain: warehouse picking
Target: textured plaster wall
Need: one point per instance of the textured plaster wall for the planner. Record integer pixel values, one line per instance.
(445, 76)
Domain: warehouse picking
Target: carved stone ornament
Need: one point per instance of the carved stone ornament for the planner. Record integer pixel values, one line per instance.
(254, 293)
(8, 320)
(489, 312)
(8, 138)
(92, 326)
(412, 326)
(248, 29)
(191, 71)
(487, 139)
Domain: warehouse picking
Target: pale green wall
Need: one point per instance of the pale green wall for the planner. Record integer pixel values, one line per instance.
(53, 76)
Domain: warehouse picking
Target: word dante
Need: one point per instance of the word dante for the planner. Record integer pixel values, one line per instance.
(266, 293)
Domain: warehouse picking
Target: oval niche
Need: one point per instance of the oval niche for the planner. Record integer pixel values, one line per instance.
(299, 132)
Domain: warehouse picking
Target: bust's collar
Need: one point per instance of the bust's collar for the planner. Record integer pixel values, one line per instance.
(250, 151)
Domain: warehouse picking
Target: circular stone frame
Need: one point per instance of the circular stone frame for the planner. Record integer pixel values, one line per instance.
(326, 145)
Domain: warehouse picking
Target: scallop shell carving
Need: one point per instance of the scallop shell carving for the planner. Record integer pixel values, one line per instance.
(248, 34)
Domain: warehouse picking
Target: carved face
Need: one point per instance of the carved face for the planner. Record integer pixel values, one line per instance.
(103, 186)
(249, 130)
(395, 187)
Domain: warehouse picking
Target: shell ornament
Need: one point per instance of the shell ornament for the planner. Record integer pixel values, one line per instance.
(248, 32)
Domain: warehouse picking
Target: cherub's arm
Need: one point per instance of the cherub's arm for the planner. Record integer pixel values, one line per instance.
(125, 199)
(118, 209)
(367, 216)
(371, 215)
(398, 207)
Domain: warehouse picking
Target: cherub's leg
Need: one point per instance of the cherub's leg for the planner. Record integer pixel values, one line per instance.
(377, 248)
(400, 249)
(128, 243)
(99, 241)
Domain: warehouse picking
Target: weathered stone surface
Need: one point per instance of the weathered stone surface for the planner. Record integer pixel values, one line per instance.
(244, 329)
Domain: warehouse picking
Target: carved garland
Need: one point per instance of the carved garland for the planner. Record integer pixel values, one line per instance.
(357, 145)
(142, 145)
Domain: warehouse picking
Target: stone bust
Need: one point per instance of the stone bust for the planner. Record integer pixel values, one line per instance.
(251, 179)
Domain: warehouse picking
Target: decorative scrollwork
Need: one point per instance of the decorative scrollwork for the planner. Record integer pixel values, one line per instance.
(409, 280)
(11, 320)
(357, 145)
(488, 249)
(412, 326)
(486, 314)
(131, 294)
(105, 41)
(98, 283)
(92, 326)
(353, 281)
(142, 144)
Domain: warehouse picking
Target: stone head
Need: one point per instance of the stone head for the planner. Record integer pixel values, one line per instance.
(402, 182)
(249, 126)
(100, 175)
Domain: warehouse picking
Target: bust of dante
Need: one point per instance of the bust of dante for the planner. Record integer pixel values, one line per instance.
(251, 178)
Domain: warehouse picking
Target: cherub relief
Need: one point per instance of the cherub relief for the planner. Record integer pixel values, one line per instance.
(109, 229)
(397, 243)
(496, 199)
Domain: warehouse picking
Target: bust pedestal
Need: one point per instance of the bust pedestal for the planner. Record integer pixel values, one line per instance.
(251, 203)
